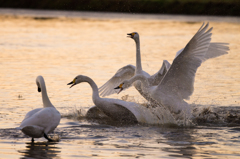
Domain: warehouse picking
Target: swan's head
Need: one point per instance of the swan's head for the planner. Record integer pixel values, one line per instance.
(124, 85)
(39, 78)
(77, 80)
(133, 35)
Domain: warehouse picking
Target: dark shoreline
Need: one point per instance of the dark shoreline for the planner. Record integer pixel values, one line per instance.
(184, 7)
(52, 14)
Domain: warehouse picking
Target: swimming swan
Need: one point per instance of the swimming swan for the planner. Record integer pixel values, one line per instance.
(178, 83)
(122, 111)
(127, 72)
(41, 121)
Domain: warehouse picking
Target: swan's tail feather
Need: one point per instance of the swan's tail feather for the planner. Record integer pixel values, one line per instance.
(33, 131)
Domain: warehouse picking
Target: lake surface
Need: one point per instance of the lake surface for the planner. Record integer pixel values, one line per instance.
(60, 47)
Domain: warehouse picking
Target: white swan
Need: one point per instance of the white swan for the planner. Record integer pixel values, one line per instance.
(178, 83)
(122, 111)
(127, 72)
(41, 121)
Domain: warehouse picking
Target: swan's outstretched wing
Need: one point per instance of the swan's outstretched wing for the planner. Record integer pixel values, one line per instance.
(179, 79)
(157, 77)
(214, 50)
(122, 74)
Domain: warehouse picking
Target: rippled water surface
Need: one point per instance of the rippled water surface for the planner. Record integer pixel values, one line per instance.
(60, 48)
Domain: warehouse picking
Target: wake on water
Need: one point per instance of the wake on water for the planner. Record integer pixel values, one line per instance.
(201, 115)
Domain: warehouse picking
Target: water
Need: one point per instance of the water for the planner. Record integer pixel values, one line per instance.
(62, 47)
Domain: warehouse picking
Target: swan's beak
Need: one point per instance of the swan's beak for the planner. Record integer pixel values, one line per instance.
(130, 35)
(39, 89)
(119, 87)
(73, 83)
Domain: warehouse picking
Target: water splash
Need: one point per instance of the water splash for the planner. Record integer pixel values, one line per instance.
(216, 115)
(76, 114)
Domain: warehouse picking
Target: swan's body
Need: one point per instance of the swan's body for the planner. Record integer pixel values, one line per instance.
(122, 111)
(129, 71)
(41, 121)
(178, 82)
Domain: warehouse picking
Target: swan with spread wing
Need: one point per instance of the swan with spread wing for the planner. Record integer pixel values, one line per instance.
(178, 82)
(129, 71)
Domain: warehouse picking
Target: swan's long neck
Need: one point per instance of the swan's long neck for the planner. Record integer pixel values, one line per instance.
(45, 99)
(95, 94)
(138, 57)
(142, 78)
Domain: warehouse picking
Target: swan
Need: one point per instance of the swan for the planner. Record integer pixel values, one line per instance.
(129, 71)
(41, 121)
(178, 82)
(122, 111)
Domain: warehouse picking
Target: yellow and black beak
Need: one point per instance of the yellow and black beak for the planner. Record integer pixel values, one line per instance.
(73, 83)
(119, 87)
(131, 35)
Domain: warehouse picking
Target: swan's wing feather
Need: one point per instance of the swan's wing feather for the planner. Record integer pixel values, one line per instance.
(46, 117)
(31, 113)
(179, 52)
(122, 74)
(179, 79)
(214, 50)
(157, 77)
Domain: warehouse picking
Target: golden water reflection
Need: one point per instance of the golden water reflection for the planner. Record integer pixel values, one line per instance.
(61, 48)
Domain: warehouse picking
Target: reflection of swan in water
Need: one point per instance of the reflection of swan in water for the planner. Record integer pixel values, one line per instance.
(40, 150)
(41, 121)
(122, 111)
(178, 83)
(129, 71)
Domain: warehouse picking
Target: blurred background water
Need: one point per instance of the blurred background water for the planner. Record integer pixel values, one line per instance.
(61, 47)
